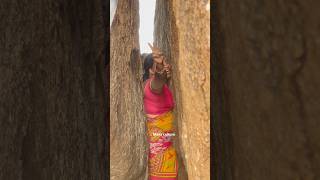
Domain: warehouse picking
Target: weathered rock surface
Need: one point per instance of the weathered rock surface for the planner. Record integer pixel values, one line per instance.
(182, 30)
(128, 155)
(51, 90)
(268, 80)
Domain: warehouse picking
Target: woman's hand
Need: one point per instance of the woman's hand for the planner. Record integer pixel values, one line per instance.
(162, 66)
(159, 69)
(156, 54)
(167, 68)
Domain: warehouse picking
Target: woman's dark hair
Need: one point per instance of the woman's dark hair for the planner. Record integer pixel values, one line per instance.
(147, 64)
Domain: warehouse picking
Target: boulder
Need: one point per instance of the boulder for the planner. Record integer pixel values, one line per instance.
(182, 31)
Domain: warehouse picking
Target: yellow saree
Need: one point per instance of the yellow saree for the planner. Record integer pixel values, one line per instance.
(162, 155)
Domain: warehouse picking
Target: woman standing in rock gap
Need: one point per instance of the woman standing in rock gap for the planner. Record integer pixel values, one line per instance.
(158, 106)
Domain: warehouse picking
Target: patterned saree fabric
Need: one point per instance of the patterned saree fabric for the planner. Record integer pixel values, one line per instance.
(162, 163)
(162, 155)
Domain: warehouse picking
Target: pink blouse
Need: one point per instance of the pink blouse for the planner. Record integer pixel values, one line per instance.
(157, 103)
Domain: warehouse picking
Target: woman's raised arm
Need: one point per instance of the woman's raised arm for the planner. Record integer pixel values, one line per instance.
(161, 70)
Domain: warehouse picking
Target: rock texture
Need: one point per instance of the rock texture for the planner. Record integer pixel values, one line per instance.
(182, 31)
(267, 72)
(52, 90)
(220, 136)
(128, 158)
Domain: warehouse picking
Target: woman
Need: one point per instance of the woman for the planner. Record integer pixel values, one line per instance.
(158, 106)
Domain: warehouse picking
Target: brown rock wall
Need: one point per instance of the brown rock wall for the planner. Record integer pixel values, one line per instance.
(128, 156)
(182, 31)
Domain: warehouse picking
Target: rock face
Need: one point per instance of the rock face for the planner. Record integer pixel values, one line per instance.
(52, 90)
(128, 158)
(267, 76)
(182, 31)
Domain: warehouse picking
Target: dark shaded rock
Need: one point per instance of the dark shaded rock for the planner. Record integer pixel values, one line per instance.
(52, 99)
(268, 79)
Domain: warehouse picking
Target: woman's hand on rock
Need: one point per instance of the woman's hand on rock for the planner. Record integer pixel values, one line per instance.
(167, 68)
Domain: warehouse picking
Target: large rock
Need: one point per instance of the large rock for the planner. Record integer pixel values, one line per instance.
(52, 94)
(182, 31)
(268, 82)
(128, 155)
